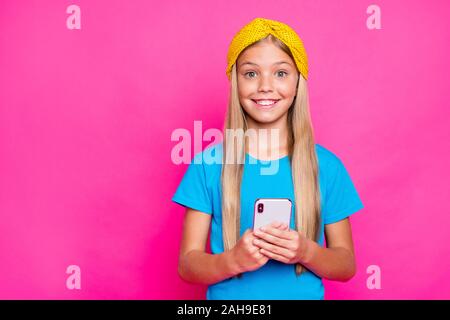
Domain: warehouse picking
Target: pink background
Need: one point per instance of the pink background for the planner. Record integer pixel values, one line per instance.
(86, 118)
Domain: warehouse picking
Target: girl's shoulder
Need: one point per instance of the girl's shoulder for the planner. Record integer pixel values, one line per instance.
(326, 156)
(329, 163)
(209, 161)
(209, 156)
(212, 154)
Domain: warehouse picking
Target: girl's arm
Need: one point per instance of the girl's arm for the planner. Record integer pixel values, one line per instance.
(336, 261)
(195, 265)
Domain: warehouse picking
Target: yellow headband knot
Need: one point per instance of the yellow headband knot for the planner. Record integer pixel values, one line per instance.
(260, 28)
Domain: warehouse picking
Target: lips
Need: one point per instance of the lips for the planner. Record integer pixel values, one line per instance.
(265, 103)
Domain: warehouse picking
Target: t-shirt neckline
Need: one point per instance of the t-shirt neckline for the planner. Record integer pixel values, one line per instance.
(249, 156)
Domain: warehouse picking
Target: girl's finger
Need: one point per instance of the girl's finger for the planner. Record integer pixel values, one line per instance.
(279, 225)
(274, 256)
(273, 239)
(283, 234)
(274, 249)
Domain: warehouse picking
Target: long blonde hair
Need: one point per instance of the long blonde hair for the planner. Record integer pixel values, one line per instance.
(302, 156)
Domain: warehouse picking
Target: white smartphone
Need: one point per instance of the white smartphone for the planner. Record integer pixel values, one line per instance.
(268, 210)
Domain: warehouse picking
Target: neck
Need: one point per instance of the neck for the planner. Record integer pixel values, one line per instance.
(271, 143)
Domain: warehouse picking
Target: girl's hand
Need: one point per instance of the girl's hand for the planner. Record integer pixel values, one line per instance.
(280, 243)
(246, 255)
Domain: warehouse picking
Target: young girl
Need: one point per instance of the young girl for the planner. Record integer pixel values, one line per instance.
(267, 66)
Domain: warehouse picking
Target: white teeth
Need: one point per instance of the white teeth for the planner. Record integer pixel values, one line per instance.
(266, 102)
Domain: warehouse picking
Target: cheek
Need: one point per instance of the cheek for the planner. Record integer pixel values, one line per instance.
(245, 89)
(246, 108)
(287, 91)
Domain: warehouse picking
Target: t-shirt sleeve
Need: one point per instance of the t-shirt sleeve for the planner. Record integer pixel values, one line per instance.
(192, 191)
(342, 199)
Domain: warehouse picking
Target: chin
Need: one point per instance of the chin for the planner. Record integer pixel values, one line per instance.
(264, 119)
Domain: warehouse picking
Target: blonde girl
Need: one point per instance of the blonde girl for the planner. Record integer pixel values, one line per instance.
(268, 72)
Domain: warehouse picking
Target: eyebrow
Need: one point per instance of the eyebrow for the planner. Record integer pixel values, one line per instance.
(276, 63)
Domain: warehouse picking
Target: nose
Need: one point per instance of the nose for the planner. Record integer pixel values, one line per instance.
(265, 83)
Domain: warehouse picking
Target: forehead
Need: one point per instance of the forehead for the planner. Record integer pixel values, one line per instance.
(264, 54)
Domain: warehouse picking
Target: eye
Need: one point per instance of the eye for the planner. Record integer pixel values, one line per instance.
(282, 72)
(245, 74)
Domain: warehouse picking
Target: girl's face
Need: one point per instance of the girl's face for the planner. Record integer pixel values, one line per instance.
(266, 74)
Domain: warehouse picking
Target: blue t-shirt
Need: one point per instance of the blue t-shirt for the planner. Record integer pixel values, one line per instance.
(200, 189)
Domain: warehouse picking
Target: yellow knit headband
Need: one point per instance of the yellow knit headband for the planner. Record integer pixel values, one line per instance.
(260, 28)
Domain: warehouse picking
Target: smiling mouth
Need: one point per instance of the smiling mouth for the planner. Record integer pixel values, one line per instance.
(265, 104)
